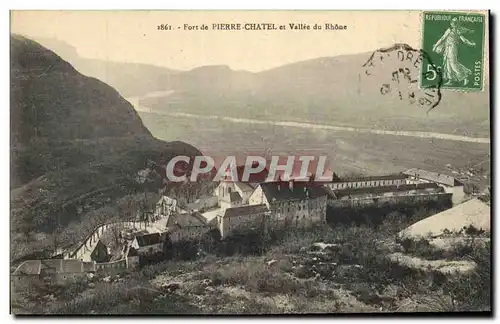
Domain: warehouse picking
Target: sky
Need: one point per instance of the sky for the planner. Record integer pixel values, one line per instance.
(133, 36)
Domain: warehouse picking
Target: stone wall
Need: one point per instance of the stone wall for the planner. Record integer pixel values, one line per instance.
(229, 225)
(111, 266)
(393, 199)
(367, 182)
(298, 213)
(375, 210)
(85, 248)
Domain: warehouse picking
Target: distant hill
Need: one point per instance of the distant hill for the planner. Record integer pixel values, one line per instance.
(76, 144)
(331, 90)
(130, 79)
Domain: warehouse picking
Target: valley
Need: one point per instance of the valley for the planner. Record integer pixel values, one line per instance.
(86, 154)
(348, 151)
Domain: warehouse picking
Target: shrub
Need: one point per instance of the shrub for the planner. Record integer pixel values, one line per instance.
(257, 276)
(472, 231)
(421, 248)
(472, 291)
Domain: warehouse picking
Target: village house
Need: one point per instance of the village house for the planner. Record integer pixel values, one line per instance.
(187, 226)
(233, 199)
(249, 217)
(449, 183)
(232, 194)
(100, 252)
(292, 203)
(148, 244)
(132, 258)
(57, 271)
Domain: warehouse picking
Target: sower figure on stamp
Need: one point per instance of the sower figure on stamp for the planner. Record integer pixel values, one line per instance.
(453, 70)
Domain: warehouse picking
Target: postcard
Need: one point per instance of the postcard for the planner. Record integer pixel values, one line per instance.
(250, 162)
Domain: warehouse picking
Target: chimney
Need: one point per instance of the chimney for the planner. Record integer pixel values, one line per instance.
(290, 184)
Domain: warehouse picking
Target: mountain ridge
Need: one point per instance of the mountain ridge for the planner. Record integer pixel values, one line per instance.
(331, 89)
(72, 136)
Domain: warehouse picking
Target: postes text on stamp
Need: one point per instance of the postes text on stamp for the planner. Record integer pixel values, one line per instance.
(454, 42)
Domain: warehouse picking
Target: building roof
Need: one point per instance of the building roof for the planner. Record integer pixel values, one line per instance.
(148, 239)
(473, 212)
(233, 196)
(281, 190)
(29, 267)
(245, 210)
(61, 266)
(253, 184)
(339, 193)
(433, 176)
(187, 220)
(373, 178)
(53, 266)
(211, 214)
(132, 252)
(245, 187)
(201, 203)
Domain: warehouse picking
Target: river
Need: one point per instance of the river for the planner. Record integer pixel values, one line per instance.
(417, 134)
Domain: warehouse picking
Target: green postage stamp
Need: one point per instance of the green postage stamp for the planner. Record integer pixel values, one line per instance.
(454, 43)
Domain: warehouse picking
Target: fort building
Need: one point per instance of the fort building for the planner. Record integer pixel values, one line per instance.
(449, 183)
(235, 219)
(292, 203)
(368, 182)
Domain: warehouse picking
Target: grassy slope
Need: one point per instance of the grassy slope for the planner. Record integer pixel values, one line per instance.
(282, 278)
